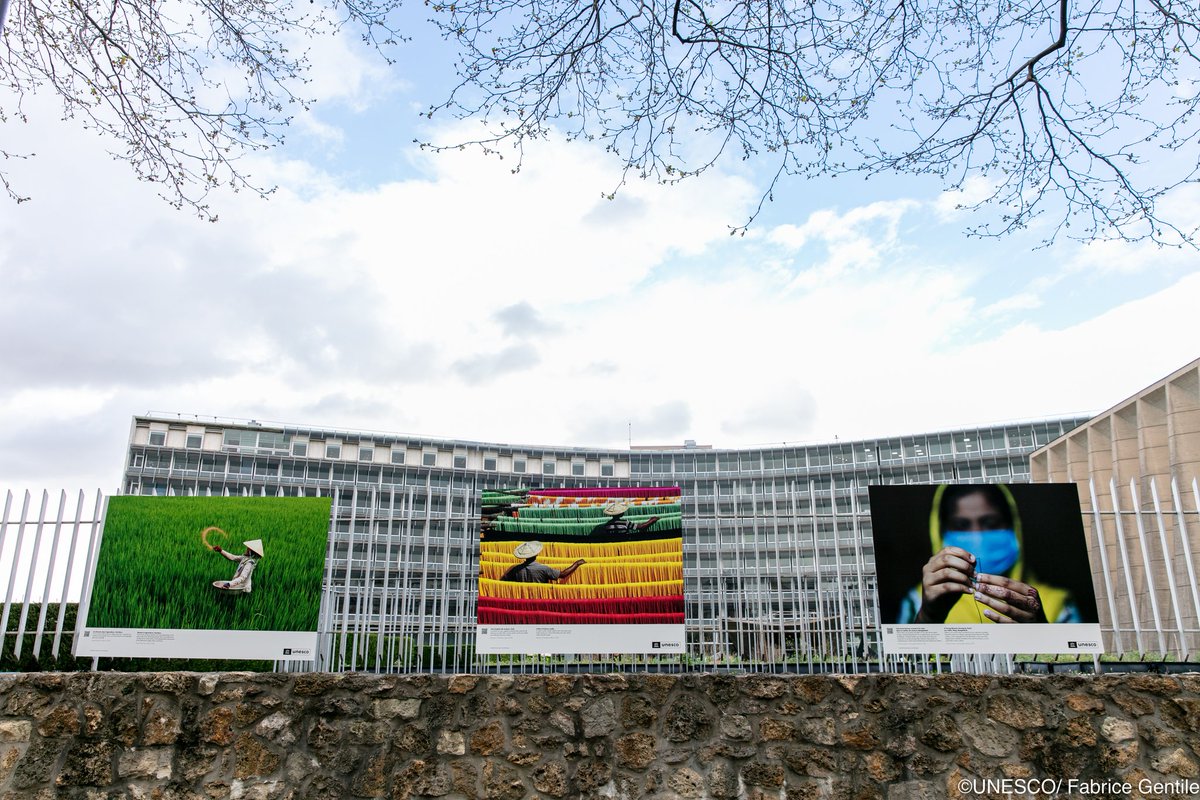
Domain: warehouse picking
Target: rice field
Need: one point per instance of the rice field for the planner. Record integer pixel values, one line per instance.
(154, 570)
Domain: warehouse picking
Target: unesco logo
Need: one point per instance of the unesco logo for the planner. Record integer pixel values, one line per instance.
(287, 651)
(656, 645)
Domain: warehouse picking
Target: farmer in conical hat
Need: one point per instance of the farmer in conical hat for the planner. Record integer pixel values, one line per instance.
(530, 571)
(245, 566)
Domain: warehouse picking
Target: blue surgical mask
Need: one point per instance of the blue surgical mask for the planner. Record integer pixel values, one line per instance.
(995, 551)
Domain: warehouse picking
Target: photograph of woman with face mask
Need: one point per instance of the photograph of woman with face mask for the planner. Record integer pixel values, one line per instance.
(978, 571)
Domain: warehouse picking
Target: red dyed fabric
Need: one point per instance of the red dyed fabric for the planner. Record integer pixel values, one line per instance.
(666, 604)
(611, 491)
(494, 616)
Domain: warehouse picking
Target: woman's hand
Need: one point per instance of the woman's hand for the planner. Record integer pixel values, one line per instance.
(945, 578)
(1005, 600)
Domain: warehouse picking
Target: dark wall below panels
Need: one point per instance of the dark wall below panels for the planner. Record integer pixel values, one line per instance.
(191, 735)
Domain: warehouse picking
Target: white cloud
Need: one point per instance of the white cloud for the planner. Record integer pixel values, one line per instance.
(855, 240)
(951, 205)
(1022, 301)
(474, 303)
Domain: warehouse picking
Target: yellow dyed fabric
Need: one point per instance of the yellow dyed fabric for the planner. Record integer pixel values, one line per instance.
(496, 551)
(572, 591)
(593, 574)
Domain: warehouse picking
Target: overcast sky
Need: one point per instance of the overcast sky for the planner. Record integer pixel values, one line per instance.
(389, 289)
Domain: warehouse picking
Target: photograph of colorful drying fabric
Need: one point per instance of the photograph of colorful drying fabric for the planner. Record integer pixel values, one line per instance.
(581, 556)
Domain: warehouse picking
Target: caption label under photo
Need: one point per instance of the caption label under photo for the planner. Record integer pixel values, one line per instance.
(570, 639)
(967, 639)
(175, 643)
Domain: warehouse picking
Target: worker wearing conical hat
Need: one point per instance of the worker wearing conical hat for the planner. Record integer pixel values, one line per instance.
(245, 566)
(530, 571)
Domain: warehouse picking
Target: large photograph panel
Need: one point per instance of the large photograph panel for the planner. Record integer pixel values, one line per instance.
(983, 568)
(581, 570)
(207, 577)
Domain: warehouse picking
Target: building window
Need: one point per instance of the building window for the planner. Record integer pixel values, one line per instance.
(460, 461)
(518, 465)
(992, 440)
(234, 438)
(158, 438)
(577, 468)
(138, 459)
(300, 449)
(195, 441)
(489, 463)
(273, 440)
(366, 454)
(548, 467)
(429, 459)
(333, 451)
(606, 470)
(397, 456)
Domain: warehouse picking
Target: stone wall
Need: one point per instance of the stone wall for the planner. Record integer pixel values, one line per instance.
(240, 735)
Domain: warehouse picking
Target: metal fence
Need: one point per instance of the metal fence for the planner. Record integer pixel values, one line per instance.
(46, 544)
(399, 591)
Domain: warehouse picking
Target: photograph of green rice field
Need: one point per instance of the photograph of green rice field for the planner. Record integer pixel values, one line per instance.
(155, 571)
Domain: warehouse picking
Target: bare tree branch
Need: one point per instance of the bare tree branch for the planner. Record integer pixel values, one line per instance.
(183, 89)
(1084, 138)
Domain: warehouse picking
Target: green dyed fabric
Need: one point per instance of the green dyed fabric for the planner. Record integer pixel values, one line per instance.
(577, 528)
(596, 512)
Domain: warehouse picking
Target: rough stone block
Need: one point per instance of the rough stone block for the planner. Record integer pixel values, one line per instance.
(636, 750)
(599, 718)
(722, 780)
(155, 764)
(1176, 762)
(253, 758)
(776, 730)
(988, 737)
(488, 739)
(1014, 711)
(15, 730)
(461, 684)
(688, 718)
(551, 778)
(217, 726)
(501, 781)
(162, 726)
(391, 709)
(452, 743)
(87, 764)
(736, 727)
